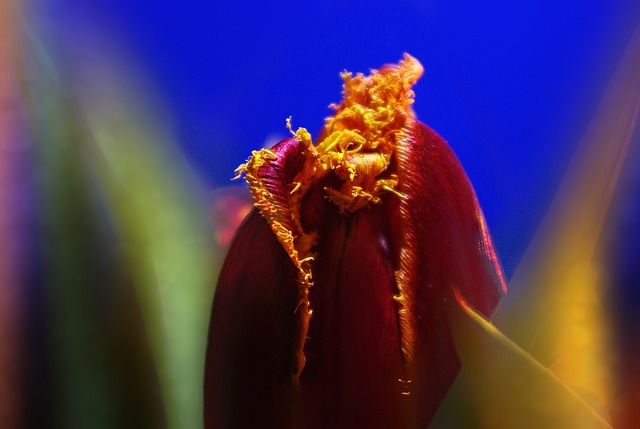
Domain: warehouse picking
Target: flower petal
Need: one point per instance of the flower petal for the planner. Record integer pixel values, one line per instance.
(354, 359)
(387, 225)
(248, 363)
(445, 242)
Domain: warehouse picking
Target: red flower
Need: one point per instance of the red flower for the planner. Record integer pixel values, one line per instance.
(369, 228)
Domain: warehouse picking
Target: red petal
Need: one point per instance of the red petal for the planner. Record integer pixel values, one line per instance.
(434, 238)
(445, 242)
(418, 246)
(248, 362)
(354, 359)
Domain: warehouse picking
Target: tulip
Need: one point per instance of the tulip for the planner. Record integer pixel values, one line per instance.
(329, 310)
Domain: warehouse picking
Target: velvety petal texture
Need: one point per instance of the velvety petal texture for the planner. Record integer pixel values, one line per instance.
(329, 310)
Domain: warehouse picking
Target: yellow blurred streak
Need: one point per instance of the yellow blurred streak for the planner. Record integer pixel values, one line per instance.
(500, 386)
(544, 359)
(554, 309)
(159, 215)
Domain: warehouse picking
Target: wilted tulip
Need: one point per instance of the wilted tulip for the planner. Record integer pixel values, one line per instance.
(369, 228)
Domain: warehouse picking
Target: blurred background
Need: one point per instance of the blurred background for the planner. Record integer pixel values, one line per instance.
(122, 122)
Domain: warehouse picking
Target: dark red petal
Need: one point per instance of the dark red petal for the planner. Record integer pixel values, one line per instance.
(248, 362)
(446, 243)
(354, 359)
(355, 369)
(447, 219)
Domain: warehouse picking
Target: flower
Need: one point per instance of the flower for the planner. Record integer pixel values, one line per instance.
(329, 310)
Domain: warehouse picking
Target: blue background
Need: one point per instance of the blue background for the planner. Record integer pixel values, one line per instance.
(511, 85)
